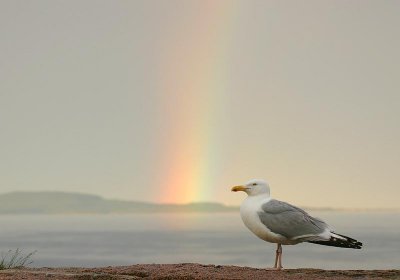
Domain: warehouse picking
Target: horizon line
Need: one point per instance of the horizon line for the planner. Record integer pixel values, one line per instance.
(321, 208)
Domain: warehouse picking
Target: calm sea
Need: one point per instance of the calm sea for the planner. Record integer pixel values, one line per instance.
(103, 240)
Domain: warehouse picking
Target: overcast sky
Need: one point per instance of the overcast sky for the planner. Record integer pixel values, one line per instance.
(144, 100)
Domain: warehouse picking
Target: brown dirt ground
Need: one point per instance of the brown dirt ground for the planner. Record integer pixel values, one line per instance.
(187, 271)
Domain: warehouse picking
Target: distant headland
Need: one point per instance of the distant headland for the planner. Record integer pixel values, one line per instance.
(55, 202)
(48, 202)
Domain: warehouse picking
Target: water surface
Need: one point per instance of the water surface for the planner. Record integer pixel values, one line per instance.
(103, 240)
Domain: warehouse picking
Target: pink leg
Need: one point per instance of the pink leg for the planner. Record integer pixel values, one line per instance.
(278, 257)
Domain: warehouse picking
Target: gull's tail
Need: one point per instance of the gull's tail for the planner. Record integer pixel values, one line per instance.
(338, 240)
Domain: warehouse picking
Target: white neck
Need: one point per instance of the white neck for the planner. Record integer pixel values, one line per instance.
(259, 197)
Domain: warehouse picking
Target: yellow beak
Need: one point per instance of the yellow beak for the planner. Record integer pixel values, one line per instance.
(238, 188)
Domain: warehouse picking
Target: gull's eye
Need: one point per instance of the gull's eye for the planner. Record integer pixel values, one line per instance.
(254, 184)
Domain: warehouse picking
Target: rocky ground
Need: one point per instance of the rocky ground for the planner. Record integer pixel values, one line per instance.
(188, 271)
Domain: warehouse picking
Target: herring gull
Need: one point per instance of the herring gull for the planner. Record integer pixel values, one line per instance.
(279, 222)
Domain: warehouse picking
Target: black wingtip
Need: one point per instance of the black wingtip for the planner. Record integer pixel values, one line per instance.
(347, 242)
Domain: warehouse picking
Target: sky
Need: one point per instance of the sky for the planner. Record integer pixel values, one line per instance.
(177, 101)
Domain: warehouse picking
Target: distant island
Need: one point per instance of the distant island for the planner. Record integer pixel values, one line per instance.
(48, 202)
(53, 202)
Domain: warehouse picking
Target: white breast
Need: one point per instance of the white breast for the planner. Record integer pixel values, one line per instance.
(249, 213)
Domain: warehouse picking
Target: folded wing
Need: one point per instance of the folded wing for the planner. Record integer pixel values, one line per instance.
(291, 222)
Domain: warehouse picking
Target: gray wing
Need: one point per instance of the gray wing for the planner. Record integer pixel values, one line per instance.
(288, 220)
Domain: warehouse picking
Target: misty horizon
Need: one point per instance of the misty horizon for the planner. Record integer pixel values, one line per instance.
(234, 207)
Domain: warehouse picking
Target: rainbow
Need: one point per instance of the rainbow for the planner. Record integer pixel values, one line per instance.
(195, 84)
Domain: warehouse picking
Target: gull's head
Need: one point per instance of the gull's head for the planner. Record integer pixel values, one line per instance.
(253, 187)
